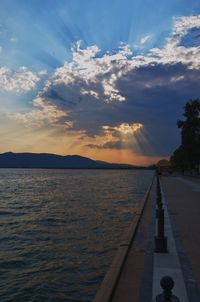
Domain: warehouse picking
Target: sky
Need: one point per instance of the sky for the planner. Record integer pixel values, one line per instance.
(103, 79)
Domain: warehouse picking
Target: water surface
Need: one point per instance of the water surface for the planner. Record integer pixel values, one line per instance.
(60, 229)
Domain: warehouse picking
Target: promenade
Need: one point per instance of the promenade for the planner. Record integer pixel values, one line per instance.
(140, 271)
(183, 198)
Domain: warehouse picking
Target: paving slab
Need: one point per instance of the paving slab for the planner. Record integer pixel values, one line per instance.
(135, 281)
(183, 198)
(168, 264)
(137, 278)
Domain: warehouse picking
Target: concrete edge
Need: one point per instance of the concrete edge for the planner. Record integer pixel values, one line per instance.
(168, 264)
(192, 288)
(108, 285)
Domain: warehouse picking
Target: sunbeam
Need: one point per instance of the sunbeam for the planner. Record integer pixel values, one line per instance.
(102, 76)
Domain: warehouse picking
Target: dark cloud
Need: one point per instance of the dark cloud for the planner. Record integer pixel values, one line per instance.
(155, 96)
(109, 90)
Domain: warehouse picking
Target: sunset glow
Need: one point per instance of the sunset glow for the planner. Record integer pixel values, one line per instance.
(127, 129)
(89, 85)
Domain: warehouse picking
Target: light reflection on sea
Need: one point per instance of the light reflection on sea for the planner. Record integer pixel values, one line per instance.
(60, 228)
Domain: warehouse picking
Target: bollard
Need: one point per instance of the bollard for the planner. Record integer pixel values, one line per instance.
(159, 195)
(158, 199)
(167, 283)
(160, 239)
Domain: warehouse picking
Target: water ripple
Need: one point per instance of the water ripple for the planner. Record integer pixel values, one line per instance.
(60, 229)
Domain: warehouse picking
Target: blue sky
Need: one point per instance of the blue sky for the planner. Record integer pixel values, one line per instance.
(107, 79)
(43, 32)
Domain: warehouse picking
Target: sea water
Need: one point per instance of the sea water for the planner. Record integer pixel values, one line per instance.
(59, 229)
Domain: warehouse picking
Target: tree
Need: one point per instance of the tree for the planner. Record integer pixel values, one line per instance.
(187, 156)
(179, 159)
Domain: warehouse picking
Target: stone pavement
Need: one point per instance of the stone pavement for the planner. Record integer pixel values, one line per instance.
(182, 195)
(139, 260)
(139, 277)
(168, 264)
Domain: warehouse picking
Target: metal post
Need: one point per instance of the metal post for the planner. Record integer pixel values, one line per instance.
(167, 283)
(159, 195)
(160, 239)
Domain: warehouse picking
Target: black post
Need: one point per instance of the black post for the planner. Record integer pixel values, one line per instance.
(167, 283)
(160, 239)
(159, 194)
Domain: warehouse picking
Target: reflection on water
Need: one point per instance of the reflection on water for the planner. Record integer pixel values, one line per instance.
(60, 228)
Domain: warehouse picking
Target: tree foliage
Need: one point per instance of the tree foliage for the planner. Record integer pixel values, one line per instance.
(187, 156)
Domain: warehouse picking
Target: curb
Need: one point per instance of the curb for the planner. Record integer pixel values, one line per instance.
(109, 283)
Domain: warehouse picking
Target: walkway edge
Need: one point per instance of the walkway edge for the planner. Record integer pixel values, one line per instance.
(108, 285)
(168, 264)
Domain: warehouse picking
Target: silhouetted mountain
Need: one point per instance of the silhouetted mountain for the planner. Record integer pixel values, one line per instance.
(45, 160)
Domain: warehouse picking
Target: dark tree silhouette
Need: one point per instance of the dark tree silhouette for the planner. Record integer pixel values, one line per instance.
(187, 156)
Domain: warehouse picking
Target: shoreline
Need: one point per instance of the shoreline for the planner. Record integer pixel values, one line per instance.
(112, 276)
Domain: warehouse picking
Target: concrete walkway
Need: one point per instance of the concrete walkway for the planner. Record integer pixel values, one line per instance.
(168, 264)
(139, 260)
(142, 269)
(183, 198)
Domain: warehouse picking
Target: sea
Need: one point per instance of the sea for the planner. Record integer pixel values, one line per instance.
(59, 229)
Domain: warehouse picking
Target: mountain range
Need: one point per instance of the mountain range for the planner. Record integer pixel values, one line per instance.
(53, 161)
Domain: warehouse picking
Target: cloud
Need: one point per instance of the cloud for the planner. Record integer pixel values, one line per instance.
(40, 116)
(121, 136)
(124, 128)
(43, 72)
(90, 70)
(21, 80)
(145, 39)
(173, 52)
(183, 24)
(120, 89)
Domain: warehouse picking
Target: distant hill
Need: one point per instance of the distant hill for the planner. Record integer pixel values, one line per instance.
(53, 161)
